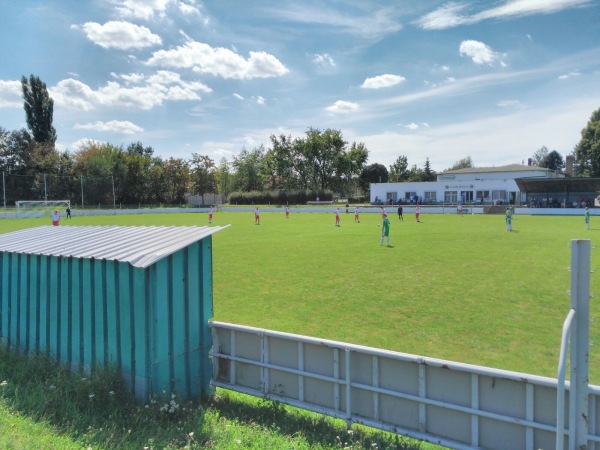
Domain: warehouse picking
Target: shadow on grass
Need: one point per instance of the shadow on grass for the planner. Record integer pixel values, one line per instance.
(316, 429)
(96, 410)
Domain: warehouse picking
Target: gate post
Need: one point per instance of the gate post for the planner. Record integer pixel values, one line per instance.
(579, 377)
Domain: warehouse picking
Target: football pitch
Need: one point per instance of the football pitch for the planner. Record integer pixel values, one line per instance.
(450, 287)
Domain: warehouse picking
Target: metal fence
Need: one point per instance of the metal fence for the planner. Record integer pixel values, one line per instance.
(452, 404)
(85, 192)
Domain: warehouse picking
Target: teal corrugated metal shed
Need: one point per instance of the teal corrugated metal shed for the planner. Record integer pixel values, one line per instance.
(136, 297)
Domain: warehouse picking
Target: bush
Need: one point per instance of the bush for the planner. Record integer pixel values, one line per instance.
(278, 197)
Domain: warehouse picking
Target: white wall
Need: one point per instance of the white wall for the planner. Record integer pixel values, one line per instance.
(440, 187)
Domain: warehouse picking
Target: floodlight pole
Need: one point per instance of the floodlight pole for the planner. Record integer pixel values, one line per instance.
(4, 188)
(81, 179)
(45, 189)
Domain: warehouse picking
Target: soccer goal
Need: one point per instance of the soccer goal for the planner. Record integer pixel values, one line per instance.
(40, 208)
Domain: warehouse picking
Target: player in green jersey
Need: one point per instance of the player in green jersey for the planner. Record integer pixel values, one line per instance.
(385, 230)
(587, 217)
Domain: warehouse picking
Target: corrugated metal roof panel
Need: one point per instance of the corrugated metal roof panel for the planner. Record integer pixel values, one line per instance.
(139, 246)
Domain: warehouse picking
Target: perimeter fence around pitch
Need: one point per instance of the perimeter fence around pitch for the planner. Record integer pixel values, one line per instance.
(87, 192)
(460, 406)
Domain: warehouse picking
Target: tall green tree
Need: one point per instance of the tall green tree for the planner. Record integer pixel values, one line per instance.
(428, 174)
(224, 178)
(464, 163)
(373, 173)
(177, 180)
(248, 166)
(15, 151)
(39, 110)
(279, 163)
(398, 170)
(202, 174)
(539, 156)
(321, 151)
(553, 161)
(351, 164)
(415, 174)
(326, 162)
(95, 167)
(587, 151)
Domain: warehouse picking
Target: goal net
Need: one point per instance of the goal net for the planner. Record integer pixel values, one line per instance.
(41, 208)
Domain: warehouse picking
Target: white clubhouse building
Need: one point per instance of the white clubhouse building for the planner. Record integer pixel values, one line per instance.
(474, 186)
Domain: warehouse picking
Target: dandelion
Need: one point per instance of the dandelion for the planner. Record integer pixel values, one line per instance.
(111, 393)
(350, 431)
(91, 396)
(83, 379)
(52, 387)
(191, 434)
(238, 441)
(4, 383)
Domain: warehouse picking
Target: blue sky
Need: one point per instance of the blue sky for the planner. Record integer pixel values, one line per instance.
(493, 80)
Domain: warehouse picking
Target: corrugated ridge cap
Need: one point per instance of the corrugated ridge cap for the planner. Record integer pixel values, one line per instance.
(139, 246)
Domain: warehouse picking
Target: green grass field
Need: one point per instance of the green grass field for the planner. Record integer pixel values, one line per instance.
(457, 288)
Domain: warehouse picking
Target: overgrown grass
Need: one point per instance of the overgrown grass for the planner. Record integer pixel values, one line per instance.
(458, 288)
(44, 405)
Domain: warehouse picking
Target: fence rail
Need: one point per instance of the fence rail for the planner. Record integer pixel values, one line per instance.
(456, 405)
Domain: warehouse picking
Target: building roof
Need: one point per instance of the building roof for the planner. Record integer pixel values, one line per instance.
(552, 185)
(139, 246)
(508, 168)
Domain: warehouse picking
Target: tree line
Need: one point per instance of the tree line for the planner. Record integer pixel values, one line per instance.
(319, 161)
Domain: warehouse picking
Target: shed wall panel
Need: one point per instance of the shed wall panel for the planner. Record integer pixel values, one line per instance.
(205, 300)
(148, 316)
(87, 337)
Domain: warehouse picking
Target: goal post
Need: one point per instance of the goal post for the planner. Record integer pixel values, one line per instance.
(40, 208)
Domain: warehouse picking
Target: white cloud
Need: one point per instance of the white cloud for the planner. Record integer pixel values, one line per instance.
(73, 93)
(342, 107)
(259, 100)
(364, 21)
(202, 58)
(113, 126)
(511, 104)
(86, 142)
(120, 35)
(566, 76)
(479, 52)
(382, 81)
(238, 96)
(324, 60)
(446, 16)
(10, 94)
(502, 139)
(143, 92)
(141, 9)
(451, 14)
(189, 9)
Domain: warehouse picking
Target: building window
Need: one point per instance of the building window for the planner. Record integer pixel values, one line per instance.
(410, 197)
(430, 197)
(482, 196)
(466, 196)
(450, 197)
(499, 197)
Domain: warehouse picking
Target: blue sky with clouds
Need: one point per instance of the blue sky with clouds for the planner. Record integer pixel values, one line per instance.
(493, 80)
